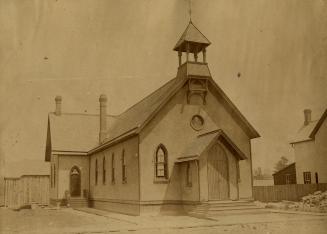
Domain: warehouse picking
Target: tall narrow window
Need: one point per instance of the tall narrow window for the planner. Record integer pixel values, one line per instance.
(316, 177)
(161, 163)
(54, 175)
(188, 174)
(307, 177)
(96, 171)
(113, 168)
(123, 167)
(51, 175)
(104, 170)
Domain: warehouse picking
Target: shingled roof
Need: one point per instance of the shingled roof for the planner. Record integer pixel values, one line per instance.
(70, 132)
(80, 132)
(308, 132)
(193, 35)
(137, 114)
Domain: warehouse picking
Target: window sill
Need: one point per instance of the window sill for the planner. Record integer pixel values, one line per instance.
(160, 181)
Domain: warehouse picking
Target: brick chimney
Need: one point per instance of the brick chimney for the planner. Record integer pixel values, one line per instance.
(307, 116)
(58, 105)
(103, 120)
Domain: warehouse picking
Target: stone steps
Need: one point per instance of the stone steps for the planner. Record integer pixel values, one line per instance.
(78, 202)
(216, 208)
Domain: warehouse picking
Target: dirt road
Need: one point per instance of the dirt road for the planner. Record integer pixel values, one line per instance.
(71, 221)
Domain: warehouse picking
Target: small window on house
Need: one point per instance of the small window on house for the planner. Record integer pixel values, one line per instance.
(113, 168)
(287, 178)
(96, 171)
(123, 167)
(307, 177)
(161, 163)
(104, 170)
(316, 177)
(188, 174)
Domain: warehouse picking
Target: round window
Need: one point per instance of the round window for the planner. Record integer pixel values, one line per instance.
(197, 122)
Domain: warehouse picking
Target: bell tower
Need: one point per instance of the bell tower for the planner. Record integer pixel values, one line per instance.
(193, 42)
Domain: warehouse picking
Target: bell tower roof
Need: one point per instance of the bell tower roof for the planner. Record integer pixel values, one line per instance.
(192, 36)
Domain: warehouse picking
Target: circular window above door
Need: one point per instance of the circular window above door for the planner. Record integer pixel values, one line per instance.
(197, 122)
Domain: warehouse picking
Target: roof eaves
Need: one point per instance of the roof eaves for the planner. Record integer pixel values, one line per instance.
(318, 125)
(221, 133)
(301, 141)
(254, 133)
(124, 136)
(163, 102)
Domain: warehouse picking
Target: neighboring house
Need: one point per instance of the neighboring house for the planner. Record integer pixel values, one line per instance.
(310, 149)
(287, 175)
(264, 180)
(185, 143)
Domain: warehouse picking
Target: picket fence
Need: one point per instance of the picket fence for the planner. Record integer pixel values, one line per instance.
(26, 190)
(289, 192)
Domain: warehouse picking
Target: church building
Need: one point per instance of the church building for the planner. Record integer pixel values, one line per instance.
(184, 144)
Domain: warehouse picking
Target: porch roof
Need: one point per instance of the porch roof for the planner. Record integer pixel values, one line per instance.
(203, 141)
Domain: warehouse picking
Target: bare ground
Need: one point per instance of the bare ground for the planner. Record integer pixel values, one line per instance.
(72, 221)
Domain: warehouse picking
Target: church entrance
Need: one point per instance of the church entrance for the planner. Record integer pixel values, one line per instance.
(75, 182)
(218, 177)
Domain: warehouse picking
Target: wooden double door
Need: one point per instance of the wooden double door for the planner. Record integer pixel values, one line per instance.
(218, 174)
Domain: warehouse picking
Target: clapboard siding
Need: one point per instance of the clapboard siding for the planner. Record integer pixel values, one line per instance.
(290, 192)
(26, 190)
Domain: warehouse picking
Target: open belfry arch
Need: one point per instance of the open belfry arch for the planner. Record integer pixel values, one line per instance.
(194, 42)
(183, 145)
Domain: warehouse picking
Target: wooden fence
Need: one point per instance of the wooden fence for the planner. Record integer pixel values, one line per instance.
(26, 190)
(289, 192)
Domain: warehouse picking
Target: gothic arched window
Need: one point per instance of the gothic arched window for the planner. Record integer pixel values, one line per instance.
(161, 162)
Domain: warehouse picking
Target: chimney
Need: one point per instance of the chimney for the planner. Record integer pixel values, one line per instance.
(307, 116)
(103, 121)
(58, 105)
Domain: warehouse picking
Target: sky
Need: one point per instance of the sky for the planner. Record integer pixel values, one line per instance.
(81, 49)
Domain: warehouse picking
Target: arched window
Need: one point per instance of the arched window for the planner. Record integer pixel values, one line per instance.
(75, 182)
(161, 162)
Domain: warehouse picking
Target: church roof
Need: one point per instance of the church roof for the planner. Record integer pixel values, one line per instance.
(193, 35)
(137, 114)
(70, 132)
(308, 132)
(136, 117)
(204, 141)
(80, 132)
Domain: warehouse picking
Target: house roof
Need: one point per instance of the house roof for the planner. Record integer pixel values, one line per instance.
(308, 132)
(193, 35)
(203, 141)
(288, 166)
